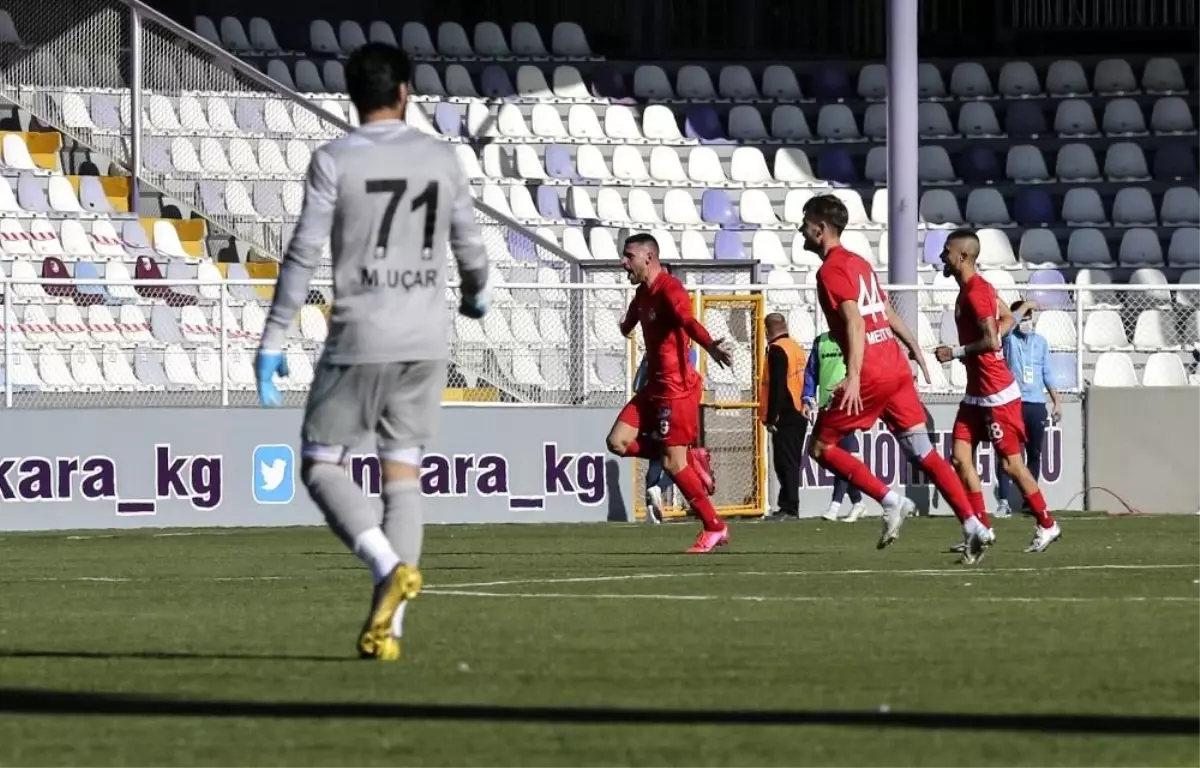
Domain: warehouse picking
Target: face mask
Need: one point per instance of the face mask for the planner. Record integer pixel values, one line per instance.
(1025, 327)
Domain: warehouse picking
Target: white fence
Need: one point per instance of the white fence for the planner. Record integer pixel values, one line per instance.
(190, 343)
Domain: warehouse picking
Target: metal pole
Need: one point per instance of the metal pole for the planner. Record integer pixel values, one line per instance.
(9, 326)
(223, 308)
(902, 146)
(135, 108)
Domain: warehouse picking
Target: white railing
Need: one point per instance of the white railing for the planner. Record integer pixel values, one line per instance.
(573, 330)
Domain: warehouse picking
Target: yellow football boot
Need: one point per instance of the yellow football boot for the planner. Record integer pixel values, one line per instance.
(376, 641)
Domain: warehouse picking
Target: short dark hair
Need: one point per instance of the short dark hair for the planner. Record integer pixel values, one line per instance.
(960, 234)
(374, 74)
(1013, 307)
(642, 238)
(829, 210)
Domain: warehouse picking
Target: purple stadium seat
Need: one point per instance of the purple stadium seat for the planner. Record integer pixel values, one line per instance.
(728, 245)
(495, 83)
(31, 195)
(834, 165)
(521, 247)
(935, 241)
(89, 293)
(1033, 208)
(559, 164)
(548, 202)
(1174, 161)
(1024, 119)
(1064, 370)
(831, 82)
(1049, 299)
(249, 115)
(212, 197)
(978, 165)
(704, 123)
(716, 207)
(448, 118)
(607, 83)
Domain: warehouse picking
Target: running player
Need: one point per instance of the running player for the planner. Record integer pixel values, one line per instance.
(388, 199)
(663, 418)
(991, 409)
(878, 383)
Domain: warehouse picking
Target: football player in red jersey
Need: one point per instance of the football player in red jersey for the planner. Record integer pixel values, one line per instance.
(991, 408)
(878, 384)
(663, 418)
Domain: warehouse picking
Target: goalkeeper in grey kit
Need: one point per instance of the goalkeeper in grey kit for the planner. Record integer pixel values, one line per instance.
(389, 200)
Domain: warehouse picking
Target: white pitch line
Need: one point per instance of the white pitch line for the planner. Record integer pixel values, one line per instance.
(809, 598)
(958, 571)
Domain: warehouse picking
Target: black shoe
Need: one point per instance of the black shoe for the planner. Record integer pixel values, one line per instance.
(781, 516)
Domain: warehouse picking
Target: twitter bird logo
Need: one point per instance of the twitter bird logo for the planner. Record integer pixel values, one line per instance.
(274, 474)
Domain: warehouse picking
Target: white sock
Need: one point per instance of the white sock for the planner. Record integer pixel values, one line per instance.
(972, 527)
(372, 548)
(398, 620)
(835, 507)
(892, 499)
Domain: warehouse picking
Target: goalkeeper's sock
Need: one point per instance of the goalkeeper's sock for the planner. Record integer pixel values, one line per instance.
(693, 490)
(350, 516)
(402, 520)
(372, 548)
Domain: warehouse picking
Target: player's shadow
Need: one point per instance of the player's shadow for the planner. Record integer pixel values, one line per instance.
(27, 701)
(166, 656)
(617, 512)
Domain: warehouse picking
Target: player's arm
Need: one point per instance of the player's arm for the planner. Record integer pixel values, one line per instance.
(1050, 380)
(303, 254)
(680, 305)
(630, 320)
(1009, 320)
(901, 332)
(466, 243)
(856, 338)
(984, 304)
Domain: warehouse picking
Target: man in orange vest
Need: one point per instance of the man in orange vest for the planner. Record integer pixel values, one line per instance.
(781, 410)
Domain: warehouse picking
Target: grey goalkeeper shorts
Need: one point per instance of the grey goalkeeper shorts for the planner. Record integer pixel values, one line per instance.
(399, 403)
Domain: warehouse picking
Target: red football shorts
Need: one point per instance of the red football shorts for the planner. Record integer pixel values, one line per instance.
(1002, 426)
(674, 421)
(894, 400)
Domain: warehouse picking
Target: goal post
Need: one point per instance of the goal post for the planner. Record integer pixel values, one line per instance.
(729, 426)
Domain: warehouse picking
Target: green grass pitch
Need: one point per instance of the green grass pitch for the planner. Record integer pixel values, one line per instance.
(799, 644)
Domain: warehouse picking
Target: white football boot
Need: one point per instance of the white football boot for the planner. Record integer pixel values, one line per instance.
(1044, 537)
(893, 521)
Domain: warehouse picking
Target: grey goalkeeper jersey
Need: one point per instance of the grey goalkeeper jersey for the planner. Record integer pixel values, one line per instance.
(389, 200)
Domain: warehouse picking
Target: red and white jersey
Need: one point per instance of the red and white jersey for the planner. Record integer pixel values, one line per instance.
(845, 276)
(989, 382)
(664, 310)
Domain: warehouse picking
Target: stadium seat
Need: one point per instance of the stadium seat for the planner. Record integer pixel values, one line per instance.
(1125, 161)
(1074, 118)
(1184, 248)
(1058, 328)
(789, 123)
(1076, 162)
(1040, 248)
(1113, 76)
(1154, 331)
(1103, 330)
(1164, 369)
(1180, 207)
(1066, 78)
(1042, 285)
(1088, 247)
(1017, 80)
(1026, 164)
(930, 84)
(1171, 115)
(1114, 369)
(779, 83)
(1140, 246)
(1082, 207)
(1162, 76)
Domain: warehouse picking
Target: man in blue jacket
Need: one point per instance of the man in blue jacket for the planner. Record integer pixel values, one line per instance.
(658, 482)
(1028, 356)
(825, 370)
